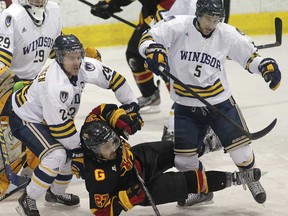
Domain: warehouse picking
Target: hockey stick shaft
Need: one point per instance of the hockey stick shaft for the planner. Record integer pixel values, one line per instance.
(112, 15)
(252, 136)
(149, 196)
(278, 34)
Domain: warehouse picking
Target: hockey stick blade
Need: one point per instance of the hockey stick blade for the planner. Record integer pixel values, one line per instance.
(112, 15)
(278, 34)
(252, 136)
(264, 131)
(14, 191)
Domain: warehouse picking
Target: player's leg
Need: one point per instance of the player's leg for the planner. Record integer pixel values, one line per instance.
(52, 156)
(237, 145)
(189, 129)
(174, 186)
(144, 78)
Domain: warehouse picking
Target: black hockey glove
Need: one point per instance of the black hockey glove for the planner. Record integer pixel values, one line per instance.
(156, 56)
(78, 163)
(270, 72)
(131, 108)
(103, 10)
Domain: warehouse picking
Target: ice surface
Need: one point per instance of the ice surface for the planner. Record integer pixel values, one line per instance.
(259, 106)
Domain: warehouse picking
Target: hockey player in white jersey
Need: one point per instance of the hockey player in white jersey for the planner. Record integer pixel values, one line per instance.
(28, 29)
(43, 118)
(197, 50)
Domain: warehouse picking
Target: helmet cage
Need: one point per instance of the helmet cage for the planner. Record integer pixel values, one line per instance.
(36, 9)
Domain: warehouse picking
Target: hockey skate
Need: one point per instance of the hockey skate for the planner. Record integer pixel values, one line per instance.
(66, 199)
(167, 135)
(252, 181)
(27, 206)
(149, 105)
(257, 191)
(199, 199)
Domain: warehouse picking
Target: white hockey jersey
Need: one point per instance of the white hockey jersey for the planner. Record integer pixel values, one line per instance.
(24, 47)
(199, 61)
(54, 98)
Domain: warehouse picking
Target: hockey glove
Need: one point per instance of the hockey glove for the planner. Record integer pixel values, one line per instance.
(156, 56)
(93, 53)
(125, 122)
(133, 196)
(270, 72)
(78, 163)
(131, 108)
(103, 10)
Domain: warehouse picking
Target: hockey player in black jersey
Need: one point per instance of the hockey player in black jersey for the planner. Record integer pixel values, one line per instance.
(110, 164)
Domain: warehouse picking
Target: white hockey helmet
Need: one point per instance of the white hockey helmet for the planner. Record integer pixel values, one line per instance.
(36, 9)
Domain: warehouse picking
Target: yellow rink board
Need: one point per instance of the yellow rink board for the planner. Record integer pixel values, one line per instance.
(118, 33)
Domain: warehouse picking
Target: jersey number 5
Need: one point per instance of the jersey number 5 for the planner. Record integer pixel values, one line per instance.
(198, 71)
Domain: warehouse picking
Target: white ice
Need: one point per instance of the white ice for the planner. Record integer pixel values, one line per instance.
(259, 105)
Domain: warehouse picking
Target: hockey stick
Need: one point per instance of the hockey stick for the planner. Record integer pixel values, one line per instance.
(14, 191)
(278, 34)
(12, 177)
(149, 196)
(252, 136)
(112, 15)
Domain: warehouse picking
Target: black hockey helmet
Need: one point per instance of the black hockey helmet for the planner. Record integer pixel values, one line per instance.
(210, 7)
(67, 43)
(96, 134)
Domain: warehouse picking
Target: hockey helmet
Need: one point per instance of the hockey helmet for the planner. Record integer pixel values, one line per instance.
(67, 43)
(36, 9)
(97, 137)
(210, 7)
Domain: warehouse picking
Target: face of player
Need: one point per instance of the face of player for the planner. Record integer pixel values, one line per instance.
(207, 24)
(72, 62)
(108, 150)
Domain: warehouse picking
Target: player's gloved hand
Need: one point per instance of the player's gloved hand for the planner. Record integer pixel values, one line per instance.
(155, 57)
(78, 168)
(270, 72)
(129, 123)
(103, 10)
(93, 53)
(130, 108)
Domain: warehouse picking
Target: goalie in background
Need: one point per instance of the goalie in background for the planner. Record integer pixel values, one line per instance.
(110, 164)
(23, 25)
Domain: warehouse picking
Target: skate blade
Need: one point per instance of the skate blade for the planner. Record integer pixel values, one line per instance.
(20, 210)
(197, 204)
(149, 110)
(56, 204)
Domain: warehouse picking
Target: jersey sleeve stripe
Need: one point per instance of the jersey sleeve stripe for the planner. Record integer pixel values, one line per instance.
(117, 81)
(5, 57)
(61, 131)
(20, 97)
